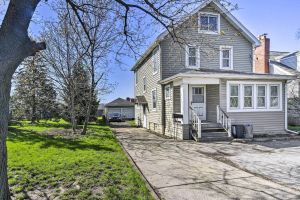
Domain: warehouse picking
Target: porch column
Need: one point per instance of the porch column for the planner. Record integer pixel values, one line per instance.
(184, 100)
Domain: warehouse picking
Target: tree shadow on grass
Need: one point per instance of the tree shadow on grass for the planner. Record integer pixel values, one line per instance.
(46, 141)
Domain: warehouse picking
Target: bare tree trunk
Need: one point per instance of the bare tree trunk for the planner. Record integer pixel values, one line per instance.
(15, 46)
(5, 87)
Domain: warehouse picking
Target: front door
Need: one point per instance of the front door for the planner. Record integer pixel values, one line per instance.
(144, 117)
(198, 100)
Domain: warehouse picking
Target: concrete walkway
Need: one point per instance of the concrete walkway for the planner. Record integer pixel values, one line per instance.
(190, 170)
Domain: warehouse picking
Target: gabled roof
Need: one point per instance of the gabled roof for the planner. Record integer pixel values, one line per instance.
(287, 69)
(224, 12)
(296, 53)
(141, 100)
(275, 55)
(119, 102)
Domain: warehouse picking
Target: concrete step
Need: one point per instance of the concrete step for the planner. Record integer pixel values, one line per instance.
(210, 125)
(215, 139)
(213, 129)
(214, 134)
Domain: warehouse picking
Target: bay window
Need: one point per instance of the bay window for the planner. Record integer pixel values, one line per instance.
(244, 96)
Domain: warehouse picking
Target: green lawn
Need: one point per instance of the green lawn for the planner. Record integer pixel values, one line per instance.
(83, 167)
(295, 128)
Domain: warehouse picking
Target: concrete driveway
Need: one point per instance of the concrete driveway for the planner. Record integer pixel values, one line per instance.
(190, 170)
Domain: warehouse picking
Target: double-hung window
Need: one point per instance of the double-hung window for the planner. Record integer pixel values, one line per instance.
(144, 84)
(261, 96)
(167, 92)
(226, 58)
(234, 96)
(136, 77)
(154, 99)
(274, 96)
(209, 23)
(248, 96)
(192, 57)
(155, 61)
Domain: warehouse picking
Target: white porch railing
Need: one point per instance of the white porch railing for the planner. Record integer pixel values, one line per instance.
(224, 120)
(196, 125)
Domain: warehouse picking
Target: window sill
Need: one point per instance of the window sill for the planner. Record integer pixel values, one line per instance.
(192, 67)
(209, 32)
(254, 110)
(227, 68)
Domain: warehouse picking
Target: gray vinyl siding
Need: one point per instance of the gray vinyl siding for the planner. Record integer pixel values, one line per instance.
(265, 122)
(154, 117)
(173, 54)
(212, 100)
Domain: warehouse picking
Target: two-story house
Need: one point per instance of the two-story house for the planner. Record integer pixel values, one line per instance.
(201, 87)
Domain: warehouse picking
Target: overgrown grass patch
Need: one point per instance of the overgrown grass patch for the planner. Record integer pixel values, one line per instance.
(295, 128)
(86, 167)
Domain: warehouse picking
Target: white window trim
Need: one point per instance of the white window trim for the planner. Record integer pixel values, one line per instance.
(239, 96)
(255, 108)
(169, 97)
(243, 96)
(279, 99)
(144, 84)
(136, 78)
(155, 54)
(266, 96)
(187, 57)
(154, 109)
(231, 57)
(209, 32)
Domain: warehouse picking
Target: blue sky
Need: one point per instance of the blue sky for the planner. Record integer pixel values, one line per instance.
(278, 18)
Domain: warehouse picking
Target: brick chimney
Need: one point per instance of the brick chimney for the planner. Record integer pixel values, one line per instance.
(262, 55)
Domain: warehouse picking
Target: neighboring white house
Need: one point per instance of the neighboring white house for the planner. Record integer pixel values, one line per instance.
(121, 106)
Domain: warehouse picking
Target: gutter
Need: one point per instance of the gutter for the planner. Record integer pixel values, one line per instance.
(286, 112)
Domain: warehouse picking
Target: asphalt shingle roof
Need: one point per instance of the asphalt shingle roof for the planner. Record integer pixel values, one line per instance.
(119, 102)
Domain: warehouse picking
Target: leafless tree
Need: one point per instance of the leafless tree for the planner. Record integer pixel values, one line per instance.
(63, 55)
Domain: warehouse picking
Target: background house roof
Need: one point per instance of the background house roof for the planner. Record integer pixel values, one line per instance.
(119, 102)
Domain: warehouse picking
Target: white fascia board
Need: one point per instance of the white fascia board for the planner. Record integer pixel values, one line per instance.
(181, 76)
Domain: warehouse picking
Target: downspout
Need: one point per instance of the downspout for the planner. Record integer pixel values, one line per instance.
(286, 108)
(163, 110)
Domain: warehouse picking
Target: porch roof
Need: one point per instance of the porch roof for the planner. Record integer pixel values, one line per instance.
(141, 100)
(225, 74)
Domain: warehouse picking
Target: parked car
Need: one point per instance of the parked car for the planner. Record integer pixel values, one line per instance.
(115, 117)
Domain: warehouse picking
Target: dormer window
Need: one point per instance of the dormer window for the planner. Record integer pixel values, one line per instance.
(209, 23)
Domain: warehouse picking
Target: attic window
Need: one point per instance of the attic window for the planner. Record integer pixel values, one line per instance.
(209, 23)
